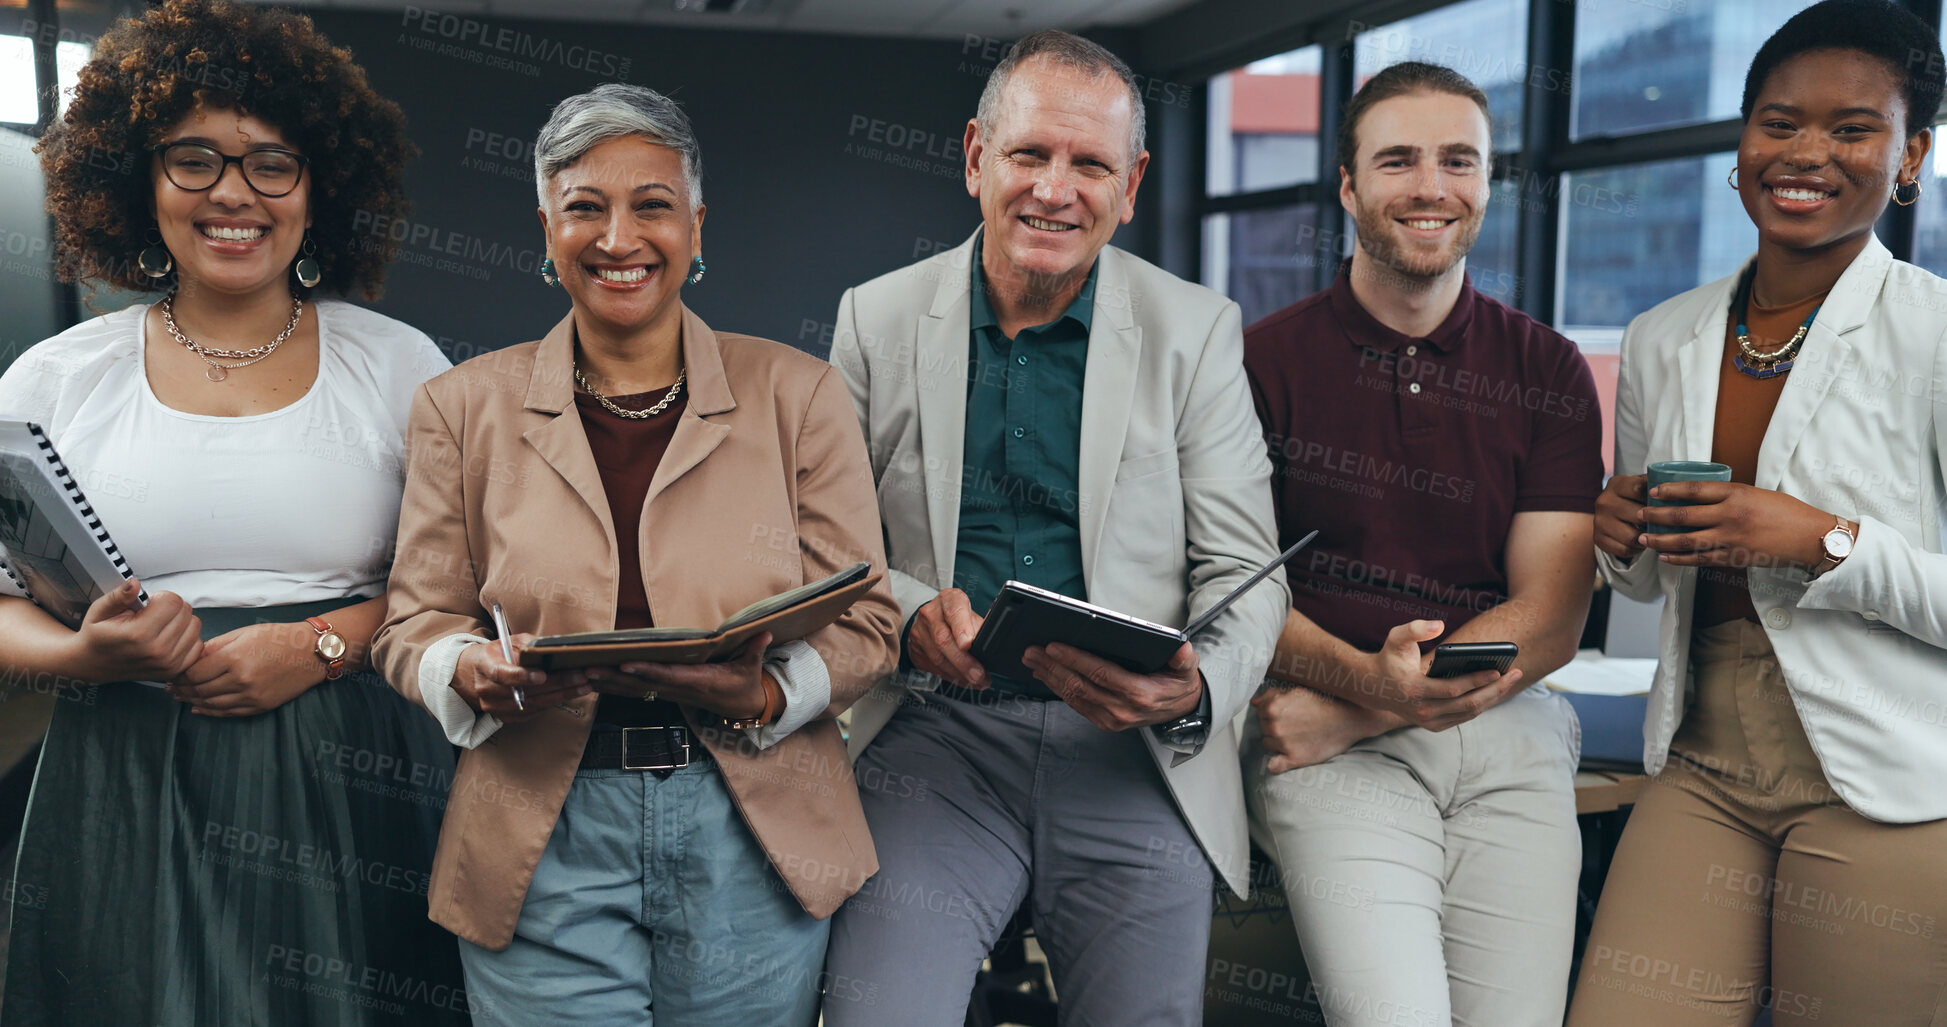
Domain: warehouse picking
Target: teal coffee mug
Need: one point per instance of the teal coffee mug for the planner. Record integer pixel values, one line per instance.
(1665, 471)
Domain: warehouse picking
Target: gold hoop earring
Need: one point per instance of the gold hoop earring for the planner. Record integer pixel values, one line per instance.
(154, 260)
(306, 269)
(1901, 188)
(1733, 177)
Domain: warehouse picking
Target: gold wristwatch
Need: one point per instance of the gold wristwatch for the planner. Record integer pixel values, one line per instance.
(770, 710)
(1836, 544)
(331, 647)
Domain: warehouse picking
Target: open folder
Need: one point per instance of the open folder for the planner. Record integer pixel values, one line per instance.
(788, 616)
(1023, 615)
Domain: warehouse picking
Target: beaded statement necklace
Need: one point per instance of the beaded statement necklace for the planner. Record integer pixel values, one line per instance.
(1752, 361)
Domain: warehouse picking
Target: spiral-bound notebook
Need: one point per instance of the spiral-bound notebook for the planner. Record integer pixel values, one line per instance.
(56, 550)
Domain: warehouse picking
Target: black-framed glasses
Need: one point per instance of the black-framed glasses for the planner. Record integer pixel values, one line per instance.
(195, 168)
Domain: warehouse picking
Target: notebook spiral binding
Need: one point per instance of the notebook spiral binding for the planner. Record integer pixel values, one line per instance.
(81, 503)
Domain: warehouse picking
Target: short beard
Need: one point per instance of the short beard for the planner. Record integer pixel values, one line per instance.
(1410, 271)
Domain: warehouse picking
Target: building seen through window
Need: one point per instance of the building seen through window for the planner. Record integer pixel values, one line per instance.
(1668, 63)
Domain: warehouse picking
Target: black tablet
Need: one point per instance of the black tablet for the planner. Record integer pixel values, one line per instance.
(1023, 615)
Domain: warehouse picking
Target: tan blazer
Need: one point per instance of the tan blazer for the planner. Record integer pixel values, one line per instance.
(765, 486)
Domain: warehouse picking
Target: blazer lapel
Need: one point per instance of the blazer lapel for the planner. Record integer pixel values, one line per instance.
(709, 388)
(1108, 393)
(940, 384)
(560, 441)
(1700, 362)
(1828, 350)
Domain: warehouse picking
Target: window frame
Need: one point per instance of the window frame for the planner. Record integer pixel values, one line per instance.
(1547, 153)
(45, 17)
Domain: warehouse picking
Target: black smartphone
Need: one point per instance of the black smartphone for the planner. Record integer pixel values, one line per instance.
(1457, 658)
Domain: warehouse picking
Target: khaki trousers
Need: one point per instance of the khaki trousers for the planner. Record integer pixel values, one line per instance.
(1431, 876)
(1743, 880)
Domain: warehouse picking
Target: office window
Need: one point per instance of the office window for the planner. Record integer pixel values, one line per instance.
(68, 61)
(1634, 236)
(1491, 264)
(17, 92)
(1267, 259)
(1485, 40)
(1665, 63)
(1264, 124)
(1930, 213)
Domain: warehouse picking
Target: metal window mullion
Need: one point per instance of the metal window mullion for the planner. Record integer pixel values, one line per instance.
(1335, 86)
(1283, 196)
(47, 80)
(1545, 118)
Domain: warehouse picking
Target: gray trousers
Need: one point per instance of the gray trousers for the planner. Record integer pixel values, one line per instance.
(981, 800)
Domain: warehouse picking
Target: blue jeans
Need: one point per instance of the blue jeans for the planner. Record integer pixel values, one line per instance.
(653, 903)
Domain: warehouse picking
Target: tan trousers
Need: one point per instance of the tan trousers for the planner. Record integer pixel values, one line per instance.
(1743, 880)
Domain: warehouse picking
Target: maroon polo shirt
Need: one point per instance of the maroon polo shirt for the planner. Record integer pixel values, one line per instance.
(1412, 456)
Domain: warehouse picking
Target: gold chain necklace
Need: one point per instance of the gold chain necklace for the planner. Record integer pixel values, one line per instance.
(217, 372)
(633, 415)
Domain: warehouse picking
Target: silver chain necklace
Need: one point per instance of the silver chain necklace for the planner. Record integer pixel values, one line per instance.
(245, 357)
(633, 415)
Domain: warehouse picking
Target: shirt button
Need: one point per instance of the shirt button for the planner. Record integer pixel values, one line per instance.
(1020, 432)
(1414, 388)
(1022, 360)
(1028, 559)
(1871, 615)
(1412, 350)
(1778, 618)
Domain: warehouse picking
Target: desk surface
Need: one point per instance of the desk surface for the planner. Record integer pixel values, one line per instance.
(1601, 791)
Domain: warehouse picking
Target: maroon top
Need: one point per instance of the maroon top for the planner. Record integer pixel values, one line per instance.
(627, 453)
(1412, 456)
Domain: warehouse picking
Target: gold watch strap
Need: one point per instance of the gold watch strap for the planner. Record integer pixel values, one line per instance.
(1828, 562)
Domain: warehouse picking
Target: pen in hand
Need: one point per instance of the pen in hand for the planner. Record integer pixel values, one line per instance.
(507, 650)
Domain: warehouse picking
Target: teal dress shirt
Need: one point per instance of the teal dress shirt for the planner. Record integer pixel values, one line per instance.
(1020, 508)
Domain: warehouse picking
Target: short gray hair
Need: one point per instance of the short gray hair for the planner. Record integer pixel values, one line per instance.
(1069, 51)
(610, 111)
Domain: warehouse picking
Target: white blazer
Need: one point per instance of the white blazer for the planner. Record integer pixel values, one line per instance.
(1174, 485)
(1857, 432)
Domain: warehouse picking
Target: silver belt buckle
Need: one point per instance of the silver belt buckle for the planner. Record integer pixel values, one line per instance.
(629, 762)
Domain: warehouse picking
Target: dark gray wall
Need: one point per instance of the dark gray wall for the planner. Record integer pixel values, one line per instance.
(827, 160)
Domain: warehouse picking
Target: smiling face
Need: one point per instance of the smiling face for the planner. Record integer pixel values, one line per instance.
(1417, 188)
(621, 233)
(229, 238)
(1824, 146)
(1055, 176)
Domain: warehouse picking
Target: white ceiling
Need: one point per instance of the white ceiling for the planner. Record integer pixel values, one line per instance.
(935, 19)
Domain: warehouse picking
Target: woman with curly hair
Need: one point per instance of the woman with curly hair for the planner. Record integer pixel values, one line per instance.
(250, 844)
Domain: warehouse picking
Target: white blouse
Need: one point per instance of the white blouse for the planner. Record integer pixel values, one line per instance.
(297, 505)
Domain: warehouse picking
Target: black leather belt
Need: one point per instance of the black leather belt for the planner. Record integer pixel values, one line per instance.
(660, 749)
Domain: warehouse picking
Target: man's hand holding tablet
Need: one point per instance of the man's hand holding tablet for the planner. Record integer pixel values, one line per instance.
(940, 636)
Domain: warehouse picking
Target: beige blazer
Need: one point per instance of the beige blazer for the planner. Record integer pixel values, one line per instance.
(765, 486)
(1857, 432)
(1175, 494)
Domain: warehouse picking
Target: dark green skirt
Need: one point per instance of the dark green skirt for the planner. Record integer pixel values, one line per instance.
(185, 870)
